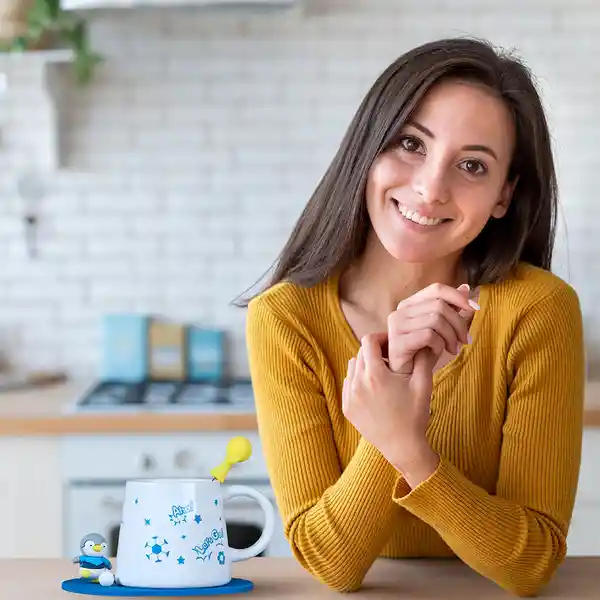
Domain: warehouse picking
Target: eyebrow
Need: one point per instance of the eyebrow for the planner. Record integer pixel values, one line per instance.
(471, 147)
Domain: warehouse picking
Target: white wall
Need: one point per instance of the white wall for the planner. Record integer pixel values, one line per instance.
(189, 158)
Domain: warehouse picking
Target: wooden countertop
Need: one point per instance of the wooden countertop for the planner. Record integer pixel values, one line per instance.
(44, 411)
(284, 579)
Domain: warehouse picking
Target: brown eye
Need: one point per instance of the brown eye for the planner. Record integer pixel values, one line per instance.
(474, 167)
(410, 144)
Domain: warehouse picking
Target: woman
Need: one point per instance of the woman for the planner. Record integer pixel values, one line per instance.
(418, 371)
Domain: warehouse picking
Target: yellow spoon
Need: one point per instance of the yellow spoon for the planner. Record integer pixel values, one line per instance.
(239, 449)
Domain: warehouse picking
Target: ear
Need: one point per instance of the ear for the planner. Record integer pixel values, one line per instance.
(504, 199)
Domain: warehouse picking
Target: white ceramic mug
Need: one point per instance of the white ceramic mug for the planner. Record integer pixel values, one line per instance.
(173, 533)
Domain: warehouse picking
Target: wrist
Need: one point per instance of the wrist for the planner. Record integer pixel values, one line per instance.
(417, 463)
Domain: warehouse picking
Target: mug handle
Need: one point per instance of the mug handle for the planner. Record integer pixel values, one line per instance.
(268, 529)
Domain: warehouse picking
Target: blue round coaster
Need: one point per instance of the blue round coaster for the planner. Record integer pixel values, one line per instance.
(81, 586)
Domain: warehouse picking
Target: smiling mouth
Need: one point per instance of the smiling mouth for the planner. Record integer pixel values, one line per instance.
(412, 215)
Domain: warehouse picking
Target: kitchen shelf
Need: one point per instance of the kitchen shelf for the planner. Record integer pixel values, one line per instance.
(30, 78)
(38, 56)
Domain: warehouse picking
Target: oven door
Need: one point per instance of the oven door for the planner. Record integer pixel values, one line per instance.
(97, 508)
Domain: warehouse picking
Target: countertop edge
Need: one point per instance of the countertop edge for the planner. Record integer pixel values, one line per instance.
(49, 412)
(94, 424)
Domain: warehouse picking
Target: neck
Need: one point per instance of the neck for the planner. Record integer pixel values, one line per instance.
(392, 279)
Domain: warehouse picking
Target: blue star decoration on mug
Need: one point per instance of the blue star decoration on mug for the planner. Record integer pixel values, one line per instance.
(180, 560)
(221, 557)
(146, 522)
(198, 519)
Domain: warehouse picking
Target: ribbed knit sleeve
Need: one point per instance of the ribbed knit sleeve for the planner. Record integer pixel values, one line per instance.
(336, 522)
(517, 537)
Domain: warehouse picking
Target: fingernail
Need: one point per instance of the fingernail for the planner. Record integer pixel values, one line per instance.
(464, 286)
(469, 338)
(458, 347)
(474, 305)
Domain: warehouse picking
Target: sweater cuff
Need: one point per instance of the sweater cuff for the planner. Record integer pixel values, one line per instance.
(436, 497)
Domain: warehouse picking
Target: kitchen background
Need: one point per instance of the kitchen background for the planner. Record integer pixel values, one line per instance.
(186, 161)
(169, 184)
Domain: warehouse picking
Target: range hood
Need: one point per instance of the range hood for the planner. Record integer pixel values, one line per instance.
(131, 4)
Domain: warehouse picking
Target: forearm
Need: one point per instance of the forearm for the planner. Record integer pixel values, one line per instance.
(514, 546)
(338, 538)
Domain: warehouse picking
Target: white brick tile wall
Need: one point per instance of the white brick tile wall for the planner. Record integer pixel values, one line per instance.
(193, 152)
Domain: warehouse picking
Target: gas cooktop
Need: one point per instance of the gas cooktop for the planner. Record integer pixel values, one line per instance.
(224, 396)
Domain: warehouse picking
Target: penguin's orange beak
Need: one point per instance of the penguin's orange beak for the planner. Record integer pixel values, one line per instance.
(97, 547)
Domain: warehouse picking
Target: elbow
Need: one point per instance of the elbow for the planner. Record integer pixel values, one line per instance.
(333, 572)
(342, 586)
(524, 588)
(530, 582)
(327, 564)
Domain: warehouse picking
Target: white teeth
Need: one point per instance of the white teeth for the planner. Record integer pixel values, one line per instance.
(413, 215)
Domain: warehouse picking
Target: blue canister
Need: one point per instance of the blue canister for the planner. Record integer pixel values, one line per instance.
(124, 355)
(206, 354)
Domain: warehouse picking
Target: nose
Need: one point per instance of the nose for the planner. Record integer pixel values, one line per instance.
(429, 182)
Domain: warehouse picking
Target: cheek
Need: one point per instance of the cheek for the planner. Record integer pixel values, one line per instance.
(387, 172)
(476, 208)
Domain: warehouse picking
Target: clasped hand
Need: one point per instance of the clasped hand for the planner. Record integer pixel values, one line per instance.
(388, 401)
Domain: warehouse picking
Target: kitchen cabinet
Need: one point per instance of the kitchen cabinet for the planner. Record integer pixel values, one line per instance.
(35, 473)
(584, 534)
(30, 498)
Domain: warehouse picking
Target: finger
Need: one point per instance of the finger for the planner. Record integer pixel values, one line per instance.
(457, 320)
(436, 306)
(372, 354)
(410, 344)
(346, 388)
(425, 338)
(417, 315)
(441, 291)
(440, 325)
(465, 289)
(422, 376)
(351, 370)
(360, 366)
(453, 332)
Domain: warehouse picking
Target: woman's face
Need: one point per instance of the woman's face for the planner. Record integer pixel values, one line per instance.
(433, 193)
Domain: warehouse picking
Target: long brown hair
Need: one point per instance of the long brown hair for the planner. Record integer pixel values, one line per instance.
(332, 229)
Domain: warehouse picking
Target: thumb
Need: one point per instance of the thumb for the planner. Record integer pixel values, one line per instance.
(381, 339)
(422, 375)
(371, 345)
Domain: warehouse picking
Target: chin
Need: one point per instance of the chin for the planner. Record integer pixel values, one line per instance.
(407, 249)
(417, 255)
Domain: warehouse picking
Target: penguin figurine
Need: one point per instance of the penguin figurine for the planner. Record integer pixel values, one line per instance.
(93, 565)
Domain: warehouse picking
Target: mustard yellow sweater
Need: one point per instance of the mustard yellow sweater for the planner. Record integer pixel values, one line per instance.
(506, 422)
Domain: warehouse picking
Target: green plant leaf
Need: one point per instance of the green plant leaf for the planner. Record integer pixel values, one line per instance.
(39, 13)
(19, 44)
(85, 65)
(53, 7)
(46, 17)
(77, 37)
